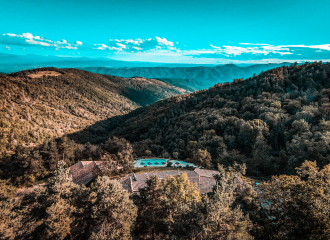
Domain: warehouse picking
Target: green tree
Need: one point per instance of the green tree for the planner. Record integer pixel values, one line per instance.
(150, 202)
(121, 151)
(260, 153)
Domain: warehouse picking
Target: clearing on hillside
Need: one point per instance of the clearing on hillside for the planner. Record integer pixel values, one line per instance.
(44, 73)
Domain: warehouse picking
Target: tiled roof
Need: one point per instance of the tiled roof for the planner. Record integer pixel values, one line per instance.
(205, 173)
(206, 184)
(202, 178)
(136, 185)
(85, 171)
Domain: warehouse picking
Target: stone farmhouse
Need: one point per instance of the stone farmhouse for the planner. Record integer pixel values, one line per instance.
(85, 171)
(204, 179)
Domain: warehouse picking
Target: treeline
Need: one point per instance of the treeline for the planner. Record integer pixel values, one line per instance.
(271, 122)
(286, 207)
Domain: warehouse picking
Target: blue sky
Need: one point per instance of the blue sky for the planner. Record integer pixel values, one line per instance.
(186, 31)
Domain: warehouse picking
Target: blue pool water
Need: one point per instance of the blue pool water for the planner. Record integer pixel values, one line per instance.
(160, 163)
(151, 163)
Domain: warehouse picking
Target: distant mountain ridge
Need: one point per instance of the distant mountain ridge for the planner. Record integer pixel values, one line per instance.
(10, 63)
(208, 75)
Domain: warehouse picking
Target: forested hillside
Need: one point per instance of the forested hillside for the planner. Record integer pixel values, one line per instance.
(144, 91)
(271, 122)
(41, 104)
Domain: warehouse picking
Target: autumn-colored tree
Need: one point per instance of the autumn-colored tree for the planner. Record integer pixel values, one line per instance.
(202, 158)
(113, 212)
(298, 206)
(224, 218)
(180, 198)
(168, 208)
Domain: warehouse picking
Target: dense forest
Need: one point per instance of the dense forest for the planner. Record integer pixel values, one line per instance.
(271, 124)
(45, 103)
(286, 207)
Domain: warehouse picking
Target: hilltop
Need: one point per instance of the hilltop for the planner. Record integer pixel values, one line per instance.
(271, 122)
(46, 103)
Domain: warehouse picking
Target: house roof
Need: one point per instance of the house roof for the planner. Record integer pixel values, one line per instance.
(85, 171)
(203, 179)
(206, 173)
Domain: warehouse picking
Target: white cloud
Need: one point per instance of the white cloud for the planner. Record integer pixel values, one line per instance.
(134, 45)
(8, 48)
(269, 47)
(163, 41)
(260, 49)
(27, 39)
(265, 49)
(102, 46)
(121, 45)
(27, 35)
(255, 44)
(258, 52)
(137, 48)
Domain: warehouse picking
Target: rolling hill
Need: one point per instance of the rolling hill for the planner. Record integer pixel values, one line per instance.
(45, 103)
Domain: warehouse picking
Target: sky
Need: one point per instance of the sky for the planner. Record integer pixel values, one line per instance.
(171, 31)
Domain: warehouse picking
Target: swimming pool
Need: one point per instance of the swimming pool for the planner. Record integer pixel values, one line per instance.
(160, 162)
(150, 163)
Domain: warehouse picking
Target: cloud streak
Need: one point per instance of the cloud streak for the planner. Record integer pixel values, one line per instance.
(261, 51)
(151, 49)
